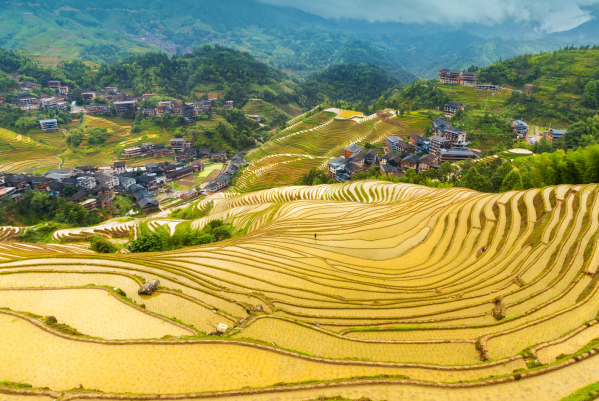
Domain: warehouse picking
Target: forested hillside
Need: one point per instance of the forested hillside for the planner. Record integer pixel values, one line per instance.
(285, 38)
(351, 82)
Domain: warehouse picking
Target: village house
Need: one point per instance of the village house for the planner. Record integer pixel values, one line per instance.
(126, 182)
(148, 112)
(39, 183)
(192, 193)
(388, 169)
(119, 167)
(238, 160)
(111, 89)
(24, 99)
(198, 166)
(350, 150)
(180, 143)
(162, 152)
(123, 107)
(229, 104)
(487, 87)
(150, 182)
(148, 204)
(528, 89)
(181, 157)
(450, 108)
(88, 95)
(146, 96)
(410, 162)
(103, 200)
(438, 143)
(148, 145)
(86, 169)
(89, 204)
(18, 181)
(555, 134)
(176, 174)
(60, 173)
(218, 157)
(358, 158)
(391, 159)
(220, 182)
(392, 142)
(55, 186)
(255, 117)
(79, 197)
(27, 85)
(419, 143)
(108, 180)
(520, 128)
(96, 109)
(54, 84)
(205, 105)
(447, 76)
(132, 152)
(427, 162)
(204, 152)
(52, 103)
(49, 125)
(189, 113)
(456, 154)
(84, 180)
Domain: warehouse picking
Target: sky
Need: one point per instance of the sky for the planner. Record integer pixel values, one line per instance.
(548, 15)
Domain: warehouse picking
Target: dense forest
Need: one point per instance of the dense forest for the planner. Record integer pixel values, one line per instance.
(351, 82)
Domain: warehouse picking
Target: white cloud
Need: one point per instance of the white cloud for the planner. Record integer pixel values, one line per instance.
(551, 15)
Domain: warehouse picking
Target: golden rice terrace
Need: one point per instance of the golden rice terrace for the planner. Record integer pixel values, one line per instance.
(368, 289)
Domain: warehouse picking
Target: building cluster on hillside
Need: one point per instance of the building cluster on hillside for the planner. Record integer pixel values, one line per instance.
(448, 144)
(96, 186)
(464, 78)
(223, 180)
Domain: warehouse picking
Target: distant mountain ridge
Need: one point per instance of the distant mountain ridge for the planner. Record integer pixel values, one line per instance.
(286, 38)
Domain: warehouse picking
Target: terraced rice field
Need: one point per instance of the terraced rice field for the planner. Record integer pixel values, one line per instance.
(404, 292)
(30, 153)
(294, 151)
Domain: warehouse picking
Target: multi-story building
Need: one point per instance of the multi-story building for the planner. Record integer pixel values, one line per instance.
(447, 76)
(97, 109)
(111, 89)
(350, 150)
(123, 107)
(88, 95)
(555, 134)
(132, 152)
(119, 167)
(486, 87)
(180, 143)
(520, 128)
(49, 125)
(108, 180)
(451, 108)
(229, 104)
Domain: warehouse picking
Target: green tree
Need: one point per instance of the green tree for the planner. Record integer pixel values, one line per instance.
(147, 243)
(69, 191)
(101, 245)
(512, 182)
(590, 94)
(474, 180)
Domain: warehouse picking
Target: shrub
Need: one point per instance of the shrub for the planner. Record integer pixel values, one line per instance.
(101, 245)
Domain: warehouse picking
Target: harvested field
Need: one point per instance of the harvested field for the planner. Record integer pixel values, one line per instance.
(329, 282)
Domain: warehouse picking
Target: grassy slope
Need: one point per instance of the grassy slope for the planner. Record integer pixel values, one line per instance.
(36, 31)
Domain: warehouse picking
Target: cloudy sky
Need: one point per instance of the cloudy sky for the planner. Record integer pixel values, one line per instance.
(551, 15)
